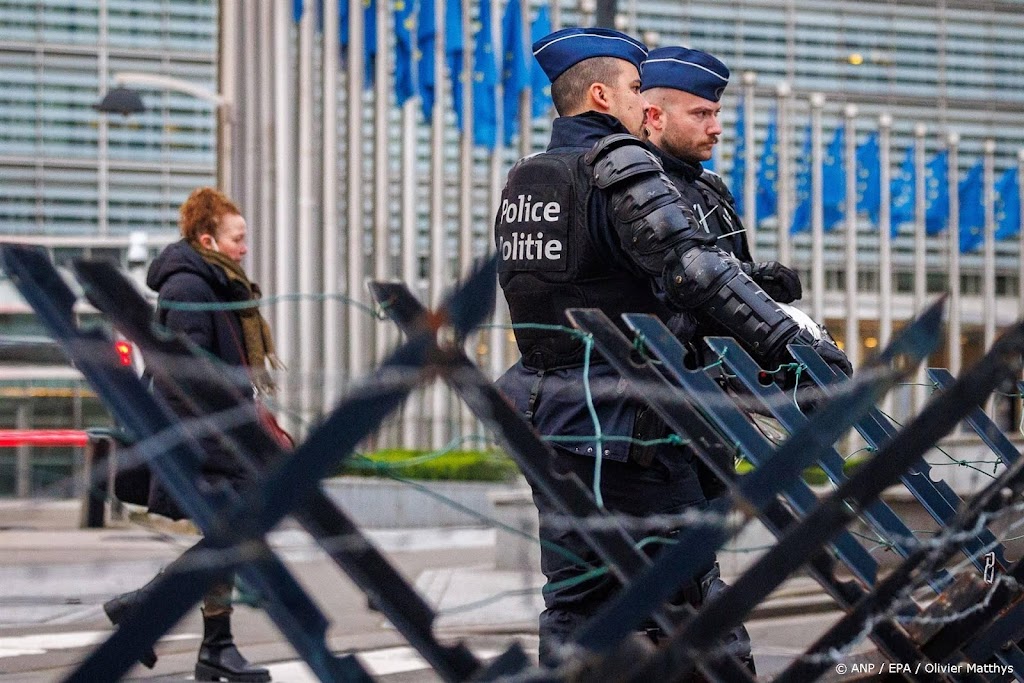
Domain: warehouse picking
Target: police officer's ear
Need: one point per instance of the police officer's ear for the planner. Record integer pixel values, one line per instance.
(598, 92)
(655, 120)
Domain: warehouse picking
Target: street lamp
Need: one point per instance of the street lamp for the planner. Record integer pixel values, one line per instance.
(125, 101)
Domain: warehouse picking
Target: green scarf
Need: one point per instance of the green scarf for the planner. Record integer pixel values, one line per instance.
(259, 344)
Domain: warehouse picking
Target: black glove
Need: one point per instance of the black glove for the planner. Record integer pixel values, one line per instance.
(831, 354)
(781, 283)
(808, 396)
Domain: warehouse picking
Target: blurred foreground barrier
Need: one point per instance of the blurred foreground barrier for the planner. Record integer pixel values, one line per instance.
(976, 618)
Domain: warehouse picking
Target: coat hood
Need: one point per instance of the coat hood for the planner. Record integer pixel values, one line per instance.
(180, 257)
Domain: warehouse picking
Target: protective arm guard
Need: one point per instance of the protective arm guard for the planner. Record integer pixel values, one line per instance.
(661, 235)
(713, 282)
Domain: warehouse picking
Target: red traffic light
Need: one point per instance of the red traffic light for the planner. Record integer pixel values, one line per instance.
(124, 352)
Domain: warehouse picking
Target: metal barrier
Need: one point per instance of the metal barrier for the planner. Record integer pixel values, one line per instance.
(99, 449)
(977, 618)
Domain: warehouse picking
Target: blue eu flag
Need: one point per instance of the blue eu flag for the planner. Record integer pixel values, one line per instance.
(936, 193)
(869, 178)
(426, 38)
(739, 158)
(768, 173)
(485, 81)
(405, 50)
(369, 35)
(453, 50)
(1008, 204)
(903, 191)
(972, 208)
(540, 86)
(833, 180)
(515, 68)
(802, 214)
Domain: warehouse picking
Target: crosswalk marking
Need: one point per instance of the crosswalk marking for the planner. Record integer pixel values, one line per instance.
(383, 662)
(41, 643)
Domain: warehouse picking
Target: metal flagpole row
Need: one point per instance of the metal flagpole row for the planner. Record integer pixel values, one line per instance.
(320, 343)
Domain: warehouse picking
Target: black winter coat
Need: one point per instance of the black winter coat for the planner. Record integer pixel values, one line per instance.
(179, 273)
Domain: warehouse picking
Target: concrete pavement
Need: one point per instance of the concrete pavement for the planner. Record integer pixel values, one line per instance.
(54, 578)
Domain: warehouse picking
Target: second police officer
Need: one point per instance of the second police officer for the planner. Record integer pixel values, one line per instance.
(683, 88)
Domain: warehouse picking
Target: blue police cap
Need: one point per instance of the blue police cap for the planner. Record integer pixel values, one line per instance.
(684, 69)
(558, 51)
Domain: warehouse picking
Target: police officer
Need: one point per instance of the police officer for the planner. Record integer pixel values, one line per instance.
(594, 222)
(683, 88)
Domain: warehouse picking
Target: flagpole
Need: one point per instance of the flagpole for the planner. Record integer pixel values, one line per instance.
(265, 195)
(248, 122)
(955, 304)
(852, 294)
(885, 302)
(466, 421)
(356, 258)
(284, 210)
(749, 207)
(497, 338)
(920, 272)
(332, 305)
(229, 19)
(525, 112)
(989, 280)
(989, 270)
(383, 335)
(438, 233)
(412, 411)
(783, 92)
(466, 148)
(308, 252)
(817, 213)
(556, 15)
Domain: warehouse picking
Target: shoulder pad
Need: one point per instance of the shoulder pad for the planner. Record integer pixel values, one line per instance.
(716, 184)
(610, 142)
(618, 157)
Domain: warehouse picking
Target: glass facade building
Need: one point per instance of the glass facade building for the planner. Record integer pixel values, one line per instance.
(79, 182)
(70, 173)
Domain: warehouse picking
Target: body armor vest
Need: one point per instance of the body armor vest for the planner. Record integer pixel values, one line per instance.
(549, 262)
(713, 206)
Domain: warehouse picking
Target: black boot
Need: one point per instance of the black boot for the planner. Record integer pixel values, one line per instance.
(118, 607)
(219, 659)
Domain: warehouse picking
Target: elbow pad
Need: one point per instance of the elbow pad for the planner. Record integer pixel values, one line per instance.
(712, 282)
